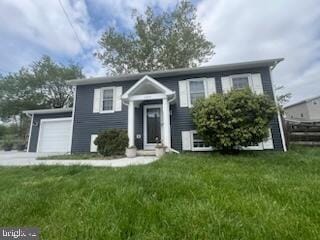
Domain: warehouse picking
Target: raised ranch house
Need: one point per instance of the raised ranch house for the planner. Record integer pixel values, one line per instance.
(151, 106)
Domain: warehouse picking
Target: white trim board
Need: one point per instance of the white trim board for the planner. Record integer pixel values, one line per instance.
(73, 113)
(30, 132)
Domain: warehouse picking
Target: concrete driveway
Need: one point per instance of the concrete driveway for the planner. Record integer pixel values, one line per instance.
(14, 158)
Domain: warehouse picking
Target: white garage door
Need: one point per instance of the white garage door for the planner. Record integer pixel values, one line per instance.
(54, 135)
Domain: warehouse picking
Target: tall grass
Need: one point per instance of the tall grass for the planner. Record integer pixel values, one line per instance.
(266, 195)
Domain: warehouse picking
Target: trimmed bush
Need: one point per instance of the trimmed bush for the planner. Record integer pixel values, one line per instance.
(112, 142)
(238, 118)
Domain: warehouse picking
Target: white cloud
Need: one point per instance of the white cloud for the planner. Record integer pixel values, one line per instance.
(248, 30)
(30, 29)
(241, 29)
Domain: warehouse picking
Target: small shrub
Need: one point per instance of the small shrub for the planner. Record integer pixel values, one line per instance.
(21, 146)
(238, 118)
(112, 142)
(7, 145)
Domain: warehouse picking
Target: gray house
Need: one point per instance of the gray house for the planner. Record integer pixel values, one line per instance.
(151, 105)
(306, 110)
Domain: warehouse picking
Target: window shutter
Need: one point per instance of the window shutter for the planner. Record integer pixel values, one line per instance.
(96, 100)
(211, 86)
(183, 93)
(186, 140)
(118, 100)
(226, 84)
(256, 85)
(93, 147)
(268, 143)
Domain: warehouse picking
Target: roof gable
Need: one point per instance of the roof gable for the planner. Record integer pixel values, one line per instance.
(147, 85)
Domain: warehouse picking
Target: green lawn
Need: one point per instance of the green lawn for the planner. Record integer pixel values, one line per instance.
(265, 195)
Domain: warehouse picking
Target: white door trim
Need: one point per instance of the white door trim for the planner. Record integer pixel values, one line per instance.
(51, 120)
(145, 107)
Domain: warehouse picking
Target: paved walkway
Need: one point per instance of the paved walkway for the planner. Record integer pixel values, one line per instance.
(29, 159)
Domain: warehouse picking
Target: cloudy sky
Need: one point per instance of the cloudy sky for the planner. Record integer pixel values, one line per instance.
(240, 29)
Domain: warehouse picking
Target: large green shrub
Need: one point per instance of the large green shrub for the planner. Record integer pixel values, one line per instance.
(238, 118)
(112, 142)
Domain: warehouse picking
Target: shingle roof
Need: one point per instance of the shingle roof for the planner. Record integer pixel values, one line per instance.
(176, 72)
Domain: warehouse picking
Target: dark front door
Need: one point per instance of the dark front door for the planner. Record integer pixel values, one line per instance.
(152, 125)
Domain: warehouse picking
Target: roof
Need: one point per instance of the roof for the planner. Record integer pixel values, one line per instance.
(300, 102)
(178, 72)
(48, 111)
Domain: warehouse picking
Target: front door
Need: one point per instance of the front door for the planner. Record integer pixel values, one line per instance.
(152, 125)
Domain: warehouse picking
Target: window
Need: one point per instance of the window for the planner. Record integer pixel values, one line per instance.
(198, 144)
(301, 115)
(107, 100)
(196, 90)
(240, 82)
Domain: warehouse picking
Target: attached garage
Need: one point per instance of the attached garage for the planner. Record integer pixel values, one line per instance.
(50, 130)
(54, 135)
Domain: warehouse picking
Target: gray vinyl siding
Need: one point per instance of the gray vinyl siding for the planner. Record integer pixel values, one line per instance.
(36, 126)
(86, 122)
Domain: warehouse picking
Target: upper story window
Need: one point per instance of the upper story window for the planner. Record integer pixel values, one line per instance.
(240, 82)
(197, 90)
(107, 100)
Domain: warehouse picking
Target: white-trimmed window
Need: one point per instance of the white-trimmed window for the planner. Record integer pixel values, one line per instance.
(198, 144)
(240, 82)
(196, 90)
(107, 99)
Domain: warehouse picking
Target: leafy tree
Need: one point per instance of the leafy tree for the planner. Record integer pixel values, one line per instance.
(40, 85)
(238, 118)
(3, 131)
(172, 39)
(282, 98)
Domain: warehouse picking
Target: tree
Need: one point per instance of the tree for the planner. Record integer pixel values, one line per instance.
(159, 41)
(41, 85)
(238, 118)
(282, 98)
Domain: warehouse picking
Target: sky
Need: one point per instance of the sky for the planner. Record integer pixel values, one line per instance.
(242, 30)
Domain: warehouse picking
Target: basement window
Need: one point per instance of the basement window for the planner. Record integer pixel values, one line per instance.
(198, 144)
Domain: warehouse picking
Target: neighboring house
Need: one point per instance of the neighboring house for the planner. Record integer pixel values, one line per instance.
(306, 110)
(149, 105)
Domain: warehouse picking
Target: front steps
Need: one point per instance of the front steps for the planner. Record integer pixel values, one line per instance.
(146, 152)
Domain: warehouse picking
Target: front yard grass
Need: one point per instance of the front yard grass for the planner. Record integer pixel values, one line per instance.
(260, 195)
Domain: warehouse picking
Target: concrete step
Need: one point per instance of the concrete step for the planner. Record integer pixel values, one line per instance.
(146, 152)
